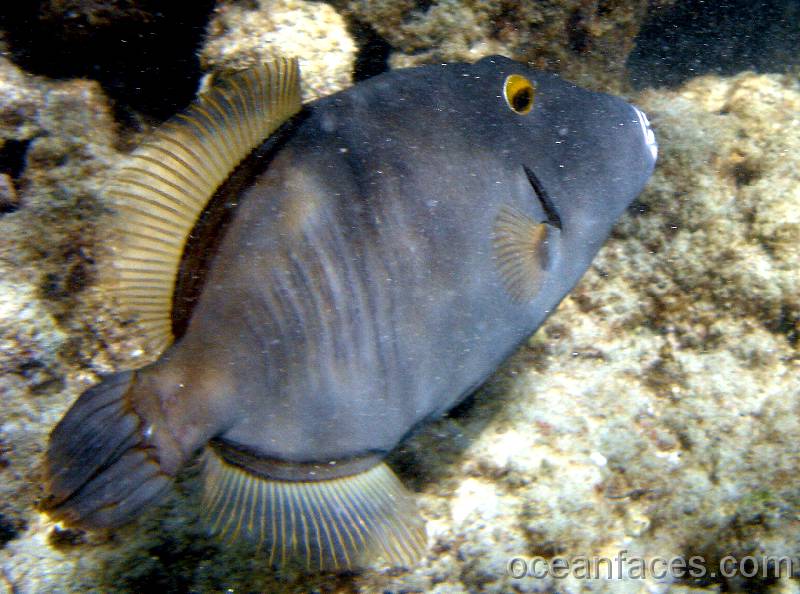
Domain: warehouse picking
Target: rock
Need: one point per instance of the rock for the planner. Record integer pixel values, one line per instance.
(22, 98)
(242, 34)
(9, 201)
(587, 42)
(143, 52)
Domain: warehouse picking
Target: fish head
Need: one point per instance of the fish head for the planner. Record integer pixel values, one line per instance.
(586, 155)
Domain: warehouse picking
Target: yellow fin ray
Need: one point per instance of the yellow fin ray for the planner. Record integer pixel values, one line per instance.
(338, 524)
(164, 185)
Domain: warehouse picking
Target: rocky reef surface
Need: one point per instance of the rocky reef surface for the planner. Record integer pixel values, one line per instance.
(240, 35)
(588, 42)
(656, 412)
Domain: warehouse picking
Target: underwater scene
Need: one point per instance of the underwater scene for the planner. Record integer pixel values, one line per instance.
(355, 296)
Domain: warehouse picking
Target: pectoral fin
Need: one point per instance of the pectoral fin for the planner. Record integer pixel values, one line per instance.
(524, 251)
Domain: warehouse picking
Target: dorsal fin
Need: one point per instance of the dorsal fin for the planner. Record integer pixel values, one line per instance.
(524, 252)
(162, 188)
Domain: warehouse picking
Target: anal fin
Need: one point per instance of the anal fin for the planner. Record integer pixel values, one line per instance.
(337, 524)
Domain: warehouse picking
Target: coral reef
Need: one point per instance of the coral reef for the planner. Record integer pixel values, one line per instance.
(656, 412)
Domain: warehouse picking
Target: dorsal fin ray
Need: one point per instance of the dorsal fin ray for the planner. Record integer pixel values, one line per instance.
(162, 188)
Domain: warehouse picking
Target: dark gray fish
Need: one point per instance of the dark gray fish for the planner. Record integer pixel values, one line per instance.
(392, 247)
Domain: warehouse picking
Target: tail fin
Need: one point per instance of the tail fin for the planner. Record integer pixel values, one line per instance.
(338, 524)
(101, 472)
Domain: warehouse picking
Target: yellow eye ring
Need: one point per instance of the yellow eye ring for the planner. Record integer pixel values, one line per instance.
(518, 92)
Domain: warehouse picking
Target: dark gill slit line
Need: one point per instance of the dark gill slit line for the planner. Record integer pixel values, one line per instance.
(550, 210)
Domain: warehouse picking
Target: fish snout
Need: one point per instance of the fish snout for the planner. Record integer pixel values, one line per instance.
(647, 133)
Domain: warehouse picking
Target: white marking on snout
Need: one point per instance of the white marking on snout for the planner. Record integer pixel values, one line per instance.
(647, 132)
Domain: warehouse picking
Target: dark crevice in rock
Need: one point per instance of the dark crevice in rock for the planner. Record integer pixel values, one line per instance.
(144, 53)
(12, 157)
(66, 538)
(10, 529)
(746, 173)
(373, 51)
(12, 164)
(788, 325)
(169, 565)
(580, 39)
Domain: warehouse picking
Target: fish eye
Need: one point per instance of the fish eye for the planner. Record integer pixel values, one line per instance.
(518, 92)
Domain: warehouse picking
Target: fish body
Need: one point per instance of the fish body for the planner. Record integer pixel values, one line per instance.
(401, 241)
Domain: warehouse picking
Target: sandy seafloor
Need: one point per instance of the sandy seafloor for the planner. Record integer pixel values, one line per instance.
(657, 412)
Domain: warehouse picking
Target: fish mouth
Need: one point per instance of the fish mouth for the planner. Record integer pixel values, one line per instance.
(550, 211)
(647, 132)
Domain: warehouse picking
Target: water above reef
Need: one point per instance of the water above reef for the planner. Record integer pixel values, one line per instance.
(725, 38)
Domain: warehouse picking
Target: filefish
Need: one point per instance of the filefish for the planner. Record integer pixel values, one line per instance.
(365, 262)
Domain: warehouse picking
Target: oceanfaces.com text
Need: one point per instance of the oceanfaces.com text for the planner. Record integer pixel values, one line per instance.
(623, 566)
